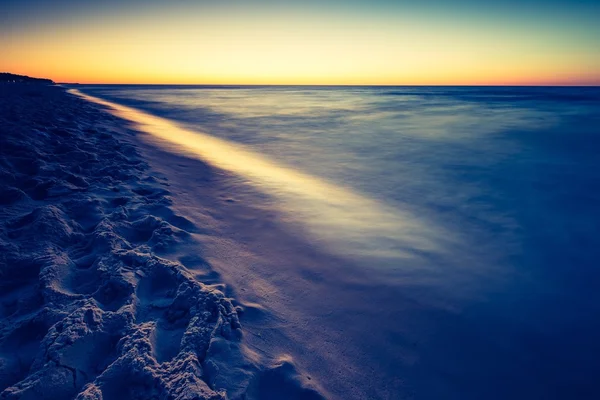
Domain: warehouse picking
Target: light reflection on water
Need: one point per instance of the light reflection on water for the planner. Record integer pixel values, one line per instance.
(352, 223)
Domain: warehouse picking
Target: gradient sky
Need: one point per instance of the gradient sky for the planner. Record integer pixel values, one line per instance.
(527, 42)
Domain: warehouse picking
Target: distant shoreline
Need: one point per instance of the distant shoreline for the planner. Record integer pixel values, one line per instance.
(6, 77)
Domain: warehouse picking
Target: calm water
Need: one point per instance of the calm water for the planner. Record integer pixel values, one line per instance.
(481, 205)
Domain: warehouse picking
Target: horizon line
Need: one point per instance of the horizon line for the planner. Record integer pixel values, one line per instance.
(557, 84)
(331, 85)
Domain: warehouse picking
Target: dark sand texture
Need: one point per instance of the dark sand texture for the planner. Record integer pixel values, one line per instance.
(91, 307)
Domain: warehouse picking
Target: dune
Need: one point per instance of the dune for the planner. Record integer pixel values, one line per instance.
(91, 306)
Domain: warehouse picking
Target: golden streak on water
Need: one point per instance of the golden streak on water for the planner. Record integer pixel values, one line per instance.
(350, 223)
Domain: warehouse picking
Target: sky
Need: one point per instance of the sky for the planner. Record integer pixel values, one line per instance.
(352, 42)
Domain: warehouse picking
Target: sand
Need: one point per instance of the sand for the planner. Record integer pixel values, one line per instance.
(92, 305)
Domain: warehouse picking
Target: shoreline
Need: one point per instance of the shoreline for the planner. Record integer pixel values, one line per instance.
(303, 308)
(105, 307)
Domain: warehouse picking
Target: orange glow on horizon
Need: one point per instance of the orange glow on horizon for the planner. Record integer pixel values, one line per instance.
(235, 49)
(468, 79)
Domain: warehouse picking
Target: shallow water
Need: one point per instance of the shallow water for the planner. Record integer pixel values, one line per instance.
(479, 205)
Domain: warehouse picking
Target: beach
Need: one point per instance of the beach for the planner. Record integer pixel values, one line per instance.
(297, 242)
(299, 200)
(94, 303)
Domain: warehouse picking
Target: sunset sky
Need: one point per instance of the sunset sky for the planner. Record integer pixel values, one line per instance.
(399, 42)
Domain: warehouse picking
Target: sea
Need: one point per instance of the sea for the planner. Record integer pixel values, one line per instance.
(469, 217)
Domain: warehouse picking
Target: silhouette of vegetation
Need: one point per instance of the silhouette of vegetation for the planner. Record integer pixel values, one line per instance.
(5, 77)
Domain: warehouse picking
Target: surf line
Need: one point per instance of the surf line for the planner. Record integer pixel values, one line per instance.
(350, 222)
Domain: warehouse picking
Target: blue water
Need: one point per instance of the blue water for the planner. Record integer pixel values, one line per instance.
(482, 205)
